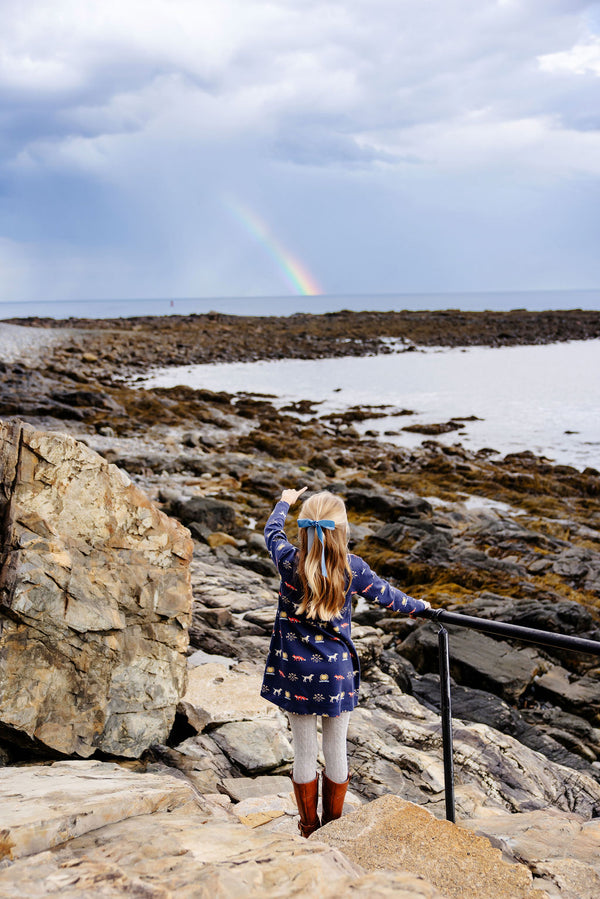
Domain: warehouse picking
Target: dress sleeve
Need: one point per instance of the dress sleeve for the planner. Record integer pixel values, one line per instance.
(281, 550)
(372, 587)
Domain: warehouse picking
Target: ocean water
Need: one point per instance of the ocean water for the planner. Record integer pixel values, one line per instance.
(288, 305)
(540, 398)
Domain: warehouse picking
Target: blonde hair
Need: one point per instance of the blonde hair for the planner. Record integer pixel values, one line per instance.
(324, 597)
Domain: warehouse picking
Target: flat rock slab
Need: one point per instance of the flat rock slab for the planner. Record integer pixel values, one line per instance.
(217, 696)
(562, 849)
(44, 805)
(239, 788)
(393, 834)
(177, 854)
(581, 695)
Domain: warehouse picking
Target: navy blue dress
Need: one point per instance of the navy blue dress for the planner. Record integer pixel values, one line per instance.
(312, 666)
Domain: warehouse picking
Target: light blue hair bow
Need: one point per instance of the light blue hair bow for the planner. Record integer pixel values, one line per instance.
(317, 526)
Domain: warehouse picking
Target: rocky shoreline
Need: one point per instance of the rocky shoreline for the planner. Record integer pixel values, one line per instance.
(152, 341)
(516, 539)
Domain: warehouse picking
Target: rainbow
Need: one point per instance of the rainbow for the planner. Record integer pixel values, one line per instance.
(296, 274)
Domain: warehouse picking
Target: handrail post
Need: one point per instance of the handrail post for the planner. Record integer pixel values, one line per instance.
(446, 708)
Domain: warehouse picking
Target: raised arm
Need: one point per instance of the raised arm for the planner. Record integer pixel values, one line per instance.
(375, 588)
(280, 549)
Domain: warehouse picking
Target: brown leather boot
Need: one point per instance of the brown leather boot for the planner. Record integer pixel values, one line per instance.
(333, 799)
(307, 796)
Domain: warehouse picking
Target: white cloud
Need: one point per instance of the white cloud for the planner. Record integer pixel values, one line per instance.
(581, 59)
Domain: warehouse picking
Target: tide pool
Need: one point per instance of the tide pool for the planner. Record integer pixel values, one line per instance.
(540, 398)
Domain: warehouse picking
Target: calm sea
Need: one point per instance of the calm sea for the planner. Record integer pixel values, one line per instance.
(537, 299)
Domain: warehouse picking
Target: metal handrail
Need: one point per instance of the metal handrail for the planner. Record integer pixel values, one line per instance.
(486, 626)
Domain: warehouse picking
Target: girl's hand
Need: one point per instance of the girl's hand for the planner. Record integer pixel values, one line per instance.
(427, 606)
(290, 496)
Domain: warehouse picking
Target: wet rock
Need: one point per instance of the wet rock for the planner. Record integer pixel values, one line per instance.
(438, 428)
(572, 564)
(213, 514)
(323, 462)
(476, 660)
(389, 506)
(579, 695)
(94, 601)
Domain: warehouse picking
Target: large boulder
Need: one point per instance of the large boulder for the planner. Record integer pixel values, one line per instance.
(394, 834)
(95, 601)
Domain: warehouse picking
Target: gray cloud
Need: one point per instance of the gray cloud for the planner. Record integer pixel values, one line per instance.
(389, 120)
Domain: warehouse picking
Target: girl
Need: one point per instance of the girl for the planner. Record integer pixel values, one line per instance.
(312, 667)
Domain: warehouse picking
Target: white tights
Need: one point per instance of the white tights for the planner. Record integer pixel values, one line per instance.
(304, 734)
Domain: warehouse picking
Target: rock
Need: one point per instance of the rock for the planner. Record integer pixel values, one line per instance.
(369, 645)
(256, 746)
(216, 696)
(261, 566)
(43, 806)
(575, 695)
(395, 745)
(264, 618)
(470, 704)
(94, 601)
(559, 616)
(199, 759)
(323, 462)
(239, 788)
(394, 834)
(251, 811)
(437, 428)
(213, 514)
(550, 719)
(217, 618)
(190, 854)
(476, 660)
(572, 564)
(389, 506)
(218, 538)
(203, 658)
(561, 849)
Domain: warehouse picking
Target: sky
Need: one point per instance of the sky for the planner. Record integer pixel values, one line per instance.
(217, 148)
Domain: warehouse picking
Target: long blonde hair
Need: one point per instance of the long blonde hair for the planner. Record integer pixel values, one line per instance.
(324, 597)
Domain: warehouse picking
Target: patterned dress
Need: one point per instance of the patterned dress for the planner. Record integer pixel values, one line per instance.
(312, 666)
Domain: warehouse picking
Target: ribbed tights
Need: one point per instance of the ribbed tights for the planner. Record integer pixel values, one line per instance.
(304, 734)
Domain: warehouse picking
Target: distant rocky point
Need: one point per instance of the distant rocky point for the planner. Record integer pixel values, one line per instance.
(151, 341)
